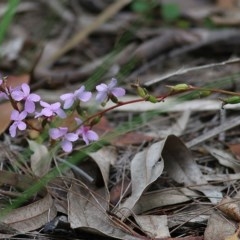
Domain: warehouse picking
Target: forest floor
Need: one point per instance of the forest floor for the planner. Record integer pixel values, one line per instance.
(166, 164)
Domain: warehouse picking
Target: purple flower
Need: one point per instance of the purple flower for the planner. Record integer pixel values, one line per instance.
(85, 132)
(1, 82)
(104, 91)
(50, 110)
(3, 96)
(80, 94)
(24, 94)
(67, 138)
(18, 118)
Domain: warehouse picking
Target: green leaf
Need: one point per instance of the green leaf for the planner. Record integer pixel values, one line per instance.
(170, 11)
(140, 6)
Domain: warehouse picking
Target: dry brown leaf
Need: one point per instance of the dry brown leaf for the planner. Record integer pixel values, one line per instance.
(32, 216)
(180, 166)
(224, 158)
(131, 138)
(6, 110)
(218, 228)
(14, 81)
(235, 149)
(120, 190)
(234, 236)
(230, 207)
(156, 225)
(87, 210)
(40, 159)
(151, 200)
(20, 181)
(146, 167)
(103, 158)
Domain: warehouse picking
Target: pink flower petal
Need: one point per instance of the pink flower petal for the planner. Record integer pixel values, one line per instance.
(17, 95)
(29, 106)
(118, 92)
(14, 115)
(66, 96)
(44, 104)
(102, 87)
(13, 129)
(112, 84)
(34, 97)
(92, 136)
(85, 96)
(66, 146)
(71, 137)
(26, 89)
(21, 125)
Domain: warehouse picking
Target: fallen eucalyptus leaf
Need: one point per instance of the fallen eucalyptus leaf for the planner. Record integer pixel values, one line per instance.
(40, 159)
(31, 216)
(219, 228)
(180, 166)
(146, 167)
(156, 225)
(87, 210)
(161, 198)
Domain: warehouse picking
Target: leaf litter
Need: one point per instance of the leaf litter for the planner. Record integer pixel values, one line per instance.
(169, 178)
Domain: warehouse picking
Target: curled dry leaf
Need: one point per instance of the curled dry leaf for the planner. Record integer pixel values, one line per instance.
(180, 166)
(151, 200)
(219, 228)
(40, 159)
(88, 208)
(31, 216)
(146, 167)
(154, 224)
(230, 207)
(224, 158)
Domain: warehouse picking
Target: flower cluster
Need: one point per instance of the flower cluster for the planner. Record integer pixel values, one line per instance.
(24, 104)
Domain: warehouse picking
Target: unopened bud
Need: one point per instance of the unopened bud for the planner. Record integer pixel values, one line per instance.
(142, 92)
(151, 99)
(231, 100)
(113, 98)
(179, 87)
(204, 93)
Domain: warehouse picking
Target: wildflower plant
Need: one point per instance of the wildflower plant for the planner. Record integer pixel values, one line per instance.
(25, 103)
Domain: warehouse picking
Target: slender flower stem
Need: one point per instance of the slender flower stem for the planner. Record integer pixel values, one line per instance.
(120, 104)
(160, 99)
(216, 90)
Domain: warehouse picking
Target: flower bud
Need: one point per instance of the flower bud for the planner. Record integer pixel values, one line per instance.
(231, 100)
(113, 98)
(142, 92)
(204, 93)
(179, 87)
(151, 99)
